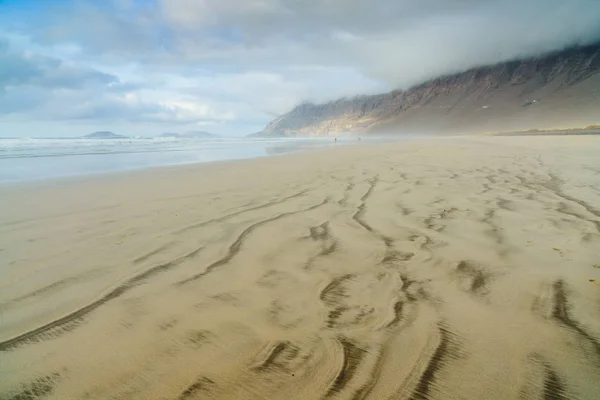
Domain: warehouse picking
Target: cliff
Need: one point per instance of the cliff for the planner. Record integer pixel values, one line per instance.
(556, 90)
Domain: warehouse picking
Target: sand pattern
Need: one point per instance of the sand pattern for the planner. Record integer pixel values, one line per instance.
(437, 269)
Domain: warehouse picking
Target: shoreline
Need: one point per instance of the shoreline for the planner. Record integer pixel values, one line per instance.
(186, 166)
(140, 172)
(64, 158)
(270, 276)
(275, 149)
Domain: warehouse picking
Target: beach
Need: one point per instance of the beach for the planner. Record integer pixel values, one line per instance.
(441, 268)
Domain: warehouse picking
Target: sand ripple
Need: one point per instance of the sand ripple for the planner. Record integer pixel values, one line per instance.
(444, 269)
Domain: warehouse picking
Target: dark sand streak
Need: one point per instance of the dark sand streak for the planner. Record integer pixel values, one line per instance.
(437, 361)
(553, 387)
(236, 246)
(353, 356)
(561, 314)
(235, 214)
(275, 351)
(113, 294)
(36, 389)
(191, 391)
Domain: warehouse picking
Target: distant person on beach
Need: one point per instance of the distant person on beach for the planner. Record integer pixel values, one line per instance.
(335, 140)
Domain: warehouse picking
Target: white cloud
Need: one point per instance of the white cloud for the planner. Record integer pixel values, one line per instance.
(34, 86)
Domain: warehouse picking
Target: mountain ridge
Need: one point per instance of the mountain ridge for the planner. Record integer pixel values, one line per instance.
(189, 135)
(104, 135)
(558, 89)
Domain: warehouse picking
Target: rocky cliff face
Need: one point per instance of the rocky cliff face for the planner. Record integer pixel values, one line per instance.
(557, 90)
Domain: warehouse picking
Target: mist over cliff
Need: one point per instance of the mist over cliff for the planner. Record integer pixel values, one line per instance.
(556, 90)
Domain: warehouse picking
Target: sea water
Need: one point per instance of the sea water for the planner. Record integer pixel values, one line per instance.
(27, 159)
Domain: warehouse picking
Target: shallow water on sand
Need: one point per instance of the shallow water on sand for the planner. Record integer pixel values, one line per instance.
(27, 159)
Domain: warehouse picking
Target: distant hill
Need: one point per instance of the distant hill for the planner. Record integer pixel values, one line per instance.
(189, 135)
(556, 90)
(104, 135)
(170, 135)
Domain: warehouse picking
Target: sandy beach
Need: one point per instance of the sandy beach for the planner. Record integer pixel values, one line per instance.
(456, 268)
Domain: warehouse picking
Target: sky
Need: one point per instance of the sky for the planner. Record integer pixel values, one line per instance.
(144, 67)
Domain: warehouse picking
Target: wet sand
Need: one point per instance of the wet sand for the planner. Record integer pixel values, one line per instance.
(453, 268)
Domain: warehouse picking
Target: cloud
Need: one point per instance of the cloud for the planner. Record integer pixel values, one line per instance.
(47, 88)
(23, 68)
(401, 42)
(106, 106)
(373, 38)
(232, 62)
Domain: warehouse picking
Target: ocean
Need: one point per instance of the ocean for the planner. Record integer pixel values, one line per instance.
(30, 159)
